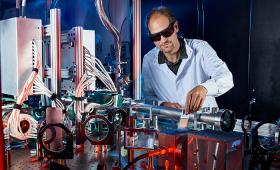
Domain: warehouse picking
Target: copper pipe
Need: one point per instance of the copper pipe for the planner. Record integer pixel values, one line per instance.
(150, 163)
(39, 154)
(1, 134)
(130, 155)
(17, 4)
(79, 62)
(137, 49)
(7, 159)
(55, 32)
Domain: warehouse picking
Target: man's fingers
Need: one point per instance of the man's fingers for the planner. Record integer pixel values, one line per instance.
(201, 102)
(188, 101)
(173, 105)
(195, 99)
(177, 105)
(196, 104)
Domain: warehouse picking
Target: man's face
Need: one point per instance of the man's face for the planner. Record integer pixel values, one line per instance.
(159, 26)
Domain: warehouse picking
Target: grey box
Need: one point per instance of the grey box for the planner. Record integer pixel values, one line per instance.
(16, 37)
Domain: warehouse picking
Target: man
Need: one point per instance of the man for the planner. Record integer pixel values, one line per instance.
(181, 72)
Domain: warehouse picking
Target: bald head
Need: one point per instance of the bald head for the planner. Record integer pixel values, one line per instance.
(160, 11)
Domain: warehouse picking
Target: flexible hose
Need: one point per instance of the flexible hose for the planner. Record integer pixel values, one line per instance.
(109, 26)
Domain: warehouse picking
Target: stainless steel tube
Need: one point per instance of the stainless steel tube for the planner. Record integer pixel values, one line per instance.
(210, 118)
(159, 111)
(55, 32)
(225, 119)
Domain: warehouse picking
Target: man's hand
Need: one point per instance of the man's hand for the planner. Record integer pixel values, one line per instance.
(195, 99)
(173, 105)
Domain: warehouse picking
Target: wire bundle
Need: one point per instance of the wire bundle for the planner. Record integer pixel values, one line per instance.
(14, 119)
(97, 69)
(83, 84)
(40, 88)
(32, 131)
(94, 68)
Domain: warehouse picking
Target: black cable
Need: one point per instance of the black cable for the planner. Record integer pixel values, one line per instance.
(249, 42)
(157, 152)
(135, 160)
(200, 19)
(53, 96)
(122, 25)
(79, 98)
(17, 106)
(35, 69)
(122, 117)
(248, 117)
(251, 96)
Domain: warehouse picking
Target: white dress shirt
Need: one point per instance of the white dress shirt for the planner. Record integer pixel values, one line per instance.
(201, 67)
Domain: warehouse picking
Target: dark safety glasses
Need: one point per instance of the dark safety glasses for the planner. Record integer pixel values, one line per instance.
(167, 32)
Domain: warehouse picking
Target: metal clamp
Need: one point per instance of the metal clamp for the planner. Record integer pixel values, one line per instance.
(108, 138)
(67, 152)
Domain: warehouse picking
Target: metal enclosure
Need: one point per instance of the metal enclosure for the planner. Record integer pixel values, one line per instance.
(71, 50)
(177, 139)
(209, 149)
(17, 51)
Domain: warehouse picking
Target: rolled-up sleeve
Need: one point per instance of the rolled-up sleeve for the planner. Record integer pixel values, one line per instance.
(220, 78)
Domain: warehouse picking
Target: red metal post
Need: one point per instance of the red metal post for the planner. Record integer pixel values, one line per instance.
(1, 133)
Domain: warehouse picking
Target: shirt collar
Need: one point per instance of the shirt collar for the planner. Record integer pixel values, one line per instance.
(182, 52)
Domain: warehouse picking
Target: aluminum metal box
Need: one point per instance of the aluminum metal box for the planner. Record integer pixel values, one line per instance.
(16, 51)
(208, 149)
